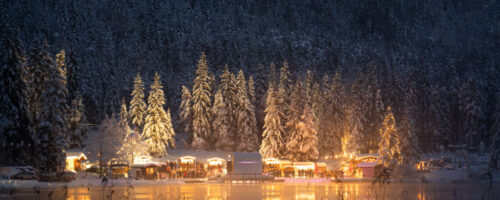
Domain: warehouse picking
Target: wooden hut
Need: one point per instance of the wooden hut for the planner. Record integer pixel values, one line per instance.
(74, 161)
(147, 170)
(367, 169)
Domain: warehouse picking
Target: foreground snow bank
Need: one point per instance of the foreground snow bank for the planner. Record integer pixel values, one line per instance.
(88, 180)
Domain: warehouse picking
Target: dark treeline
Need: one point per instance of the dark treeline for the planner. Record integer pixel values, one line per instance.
(436, 60)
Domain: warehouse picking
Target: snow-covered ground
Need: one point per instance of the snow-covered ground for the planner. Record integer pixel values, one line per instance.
(88, 180)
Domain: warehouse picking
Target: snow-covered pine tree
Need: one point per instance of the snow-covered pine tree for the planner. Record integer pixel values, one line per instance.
(228, 87)
(77, 124)
(60, 64)
(331, 126)
(201, 106)
(170, 130)
(52, 127)
(38, 70)
(389, 141)
(272, 139)
(357, 118)
(373, 109)
(295, 111)
(124, 119)
(303, 142)
(246, 124)
(137, 104)
(472, 106)
(283, 95)
(410, 151)
(225, 84)
(157, 133)
(185, 114)
(222, 126)
(17, 141)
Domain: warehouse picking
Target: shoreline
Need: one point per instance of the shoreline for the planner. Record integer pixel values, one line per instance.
(9, 184)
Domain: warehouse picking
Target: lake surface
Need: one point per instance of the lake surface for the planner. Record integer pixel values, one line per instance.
(269, 191)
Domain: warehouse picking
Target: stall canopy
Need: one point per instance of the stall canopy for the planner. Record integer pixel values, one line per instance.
(187, 159)
(216, 161)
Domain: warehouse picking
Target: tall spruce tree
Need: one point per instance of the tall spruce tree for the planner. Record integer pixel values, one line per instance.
(124, 118)
(272, 142)
(410, 151)
(331, 125)
(283, 96)
(185, 115)
(137, 104)
(389, 141)
(52, 127)
(38, 70)
(246, 137)
(202, 100)
(357, 117)
(156, 133)
(303, 142)
(17, 142)
(222, 124)
(295, 111)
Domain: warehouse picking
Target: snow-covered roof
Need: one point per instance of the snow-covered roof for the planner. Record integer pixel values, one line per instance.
(303, 163)
(75, 154)
(366, 155)
(175, 154)
(367, 164)
(151, 164)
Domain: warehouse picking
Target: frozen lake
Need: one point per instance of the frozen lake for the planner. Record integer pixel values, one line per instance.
(274, 191)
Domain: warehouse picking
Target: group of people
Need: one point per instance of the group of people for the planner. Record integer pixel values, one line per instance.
(305, 173)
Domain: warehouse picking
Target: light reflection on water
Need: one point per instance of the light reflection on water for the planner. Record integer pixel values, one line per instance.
(273, 191)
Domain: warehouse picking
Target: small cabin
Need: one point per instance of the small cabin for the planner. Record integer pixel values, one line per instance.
(147, 170)
(74, 161)
(321, 168)
(119, 169)
(352, 167)
(367, 169)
